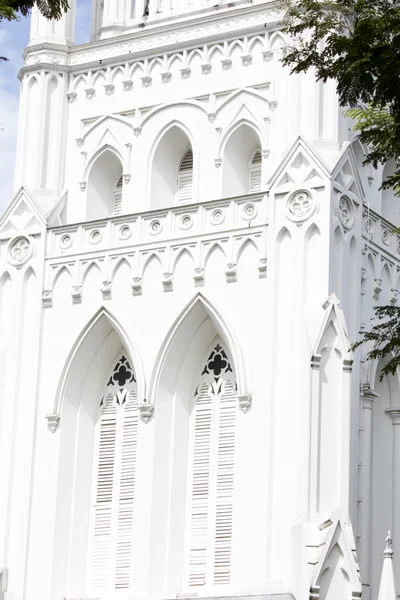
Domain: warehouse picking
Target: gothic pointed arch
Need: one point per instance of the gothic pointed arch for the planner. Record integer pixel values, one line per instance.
(101, 324)
(336, 573)
(104, 173)
(196, 311)
(97, 407)
(330, 413)
(198, 341)
(172, 167)
(240, 147)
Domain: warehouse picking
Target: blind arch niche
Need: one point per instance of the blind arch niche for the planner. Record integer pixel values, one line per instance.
(83, 385)
(178, 374)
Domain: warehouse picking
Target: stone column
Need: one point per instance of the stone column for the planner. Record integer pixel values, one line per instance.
(367, 400)
(394, 413)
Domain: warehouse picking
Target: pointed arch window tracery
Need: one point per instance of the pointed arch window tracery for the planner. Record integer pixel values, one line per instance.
(211, 467)
(114, 476)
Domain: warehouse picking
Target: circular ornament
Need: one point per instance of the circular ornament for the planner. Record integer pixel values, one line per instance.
(186, 221)
(249, 211)
(386, 236)
(155, 227)
(345, 212)
(66, 242)
(300, 206)
(217, 217)
(20, 250)
(124, 232)
(95, 236)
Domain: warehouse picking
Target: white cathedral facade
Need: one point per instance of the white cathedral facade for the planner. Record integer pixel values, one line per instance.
(192, 247)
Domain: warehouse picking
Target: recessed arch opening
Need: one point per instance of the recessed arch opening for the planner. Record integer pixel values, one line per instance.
(182, 364)
(104, 187)
(84, 392)
(171, 172)
(242, 162)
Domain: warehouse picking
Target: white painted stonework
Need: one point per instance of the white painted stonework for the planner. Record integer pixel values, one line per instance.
(193, 245)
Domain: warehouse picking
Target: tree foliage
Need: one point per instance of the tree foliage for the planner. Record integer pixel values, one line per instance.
(356, 43)
(385, 338)
(51, 9)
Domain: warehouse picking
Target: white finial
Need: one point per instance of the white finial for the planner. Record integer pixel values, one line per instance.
(388, 550)
(387, 588)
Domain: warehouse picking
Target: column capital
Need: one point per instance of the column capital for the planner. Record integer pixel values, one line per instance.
(368, 396)
(394, 414)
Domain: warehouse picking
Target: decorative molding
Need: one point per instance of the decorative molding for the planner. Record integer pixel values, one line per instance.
(198, 277)
(76, 294)
(245, 402)
(377, 288)
(166, 77)
(136, 286)
(146, 411)
(146, 81)
(345, 212)
(127, 85)
(71, 96)
(300, 206)
(167, 282)
(230, 272)
(185, 72)
(90, 92)
(106, 290)
(109, 88)
(20, 249)
(53, 422)
(262, 268)
(47, 298)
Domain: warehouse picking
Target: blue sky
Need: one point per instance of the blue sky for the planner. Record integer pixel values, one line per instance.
(14, 36)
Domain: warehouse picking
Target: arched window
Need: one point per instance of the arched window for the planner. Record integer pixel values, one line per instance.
(255, 173)
(171, 173)
(113, 493)
(185, 178)
(241, 162)
(211, 461)
(105, 172)
(117, 198)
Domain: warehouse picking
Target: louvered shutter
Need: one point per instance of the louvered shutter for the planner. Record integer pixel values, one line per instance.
(212, 480)
(224, 491)
(185, 178)
(200, 486)
(110, 544)
(255, 173)
(102, 526)
(117, 199)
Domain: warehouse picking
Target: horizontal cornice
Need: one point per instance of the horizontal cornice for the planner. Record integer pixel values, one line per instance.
(154, 39)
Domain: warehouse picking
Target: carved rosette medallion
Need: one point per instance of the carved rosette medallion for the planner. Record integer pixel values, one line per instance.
(345, 212)
(20, 250)
(300, 206)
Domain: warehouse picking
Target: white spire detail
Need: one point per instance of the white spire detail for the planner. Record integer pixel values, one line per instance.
(387, 588)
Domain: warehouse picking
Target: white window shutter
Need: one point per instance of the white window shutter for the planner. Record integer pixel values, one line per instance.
(224, 491)
(117, 199)
(185, 178)
(255, 173)
(110, 542)
(200, 487)
(117, 207)
(211, 489)
(102, 517)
